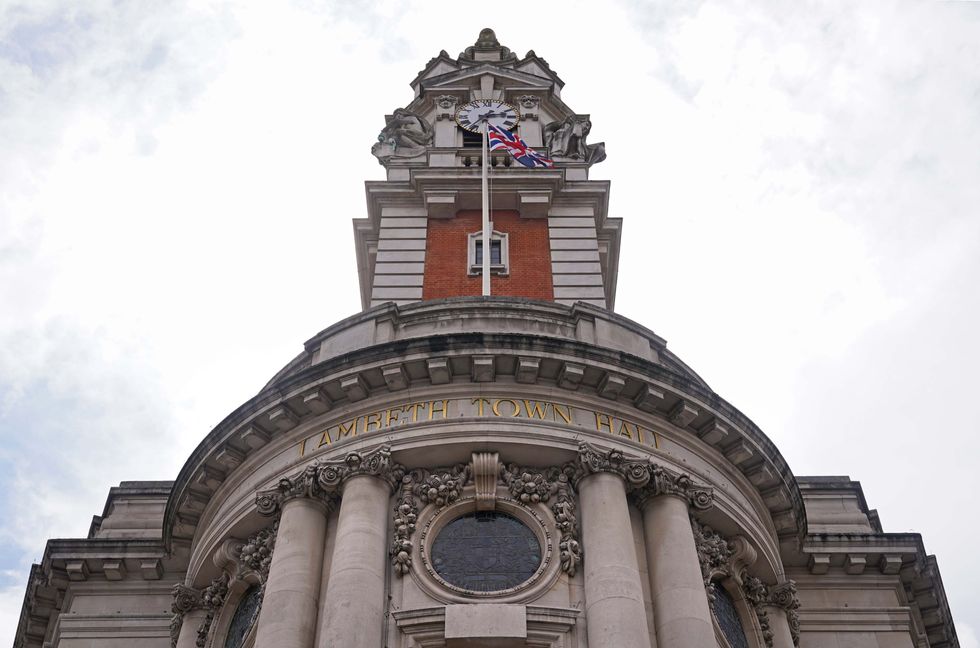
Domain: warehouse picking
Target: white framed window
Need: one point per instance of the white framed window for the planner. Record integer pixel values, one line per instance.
(499, 257)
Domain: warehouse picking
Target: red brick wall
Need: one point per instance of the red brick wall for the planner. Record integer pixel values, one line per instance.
(530, 257)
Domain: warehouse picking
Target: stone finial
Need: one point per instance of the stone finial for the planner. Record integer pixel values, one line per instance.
(487, 38)
(487, 42)
(322, 481)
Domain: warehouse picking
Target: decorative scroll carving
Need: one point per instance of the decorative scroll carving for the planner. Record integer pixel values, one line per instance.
(405, 135)
(486, 466)
(446, 102)
(185, 599)
(785, 597)
(437, 486)
(212, 598)
(721, 558)
(256, 554)
(529, 101)
(533, 486)
(322, 480)
(644, 479)
(566, 139)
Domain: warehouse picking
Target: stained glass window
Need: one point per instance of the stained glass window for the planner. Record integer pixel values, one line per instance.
(486, 551)
(727, 617)
(245, 614)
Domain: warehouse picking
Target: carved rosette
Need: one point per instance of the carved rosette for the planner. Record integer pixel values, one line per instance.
(436, 486)
(537, 485)
(323, 480)
(185, 599)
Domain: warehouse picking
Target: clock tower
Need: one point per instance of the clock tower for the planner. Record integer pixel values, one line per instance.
(551, 236)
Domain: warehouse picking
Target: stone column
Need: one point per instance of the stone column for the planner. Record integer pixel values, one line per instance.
(188, 630)
(681, 614)
(292, 592)
(614, 607)
(354, 606)
(292, 588)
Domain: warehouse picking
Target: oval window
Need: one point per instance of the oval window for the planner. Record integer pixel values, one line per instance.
(486, 551)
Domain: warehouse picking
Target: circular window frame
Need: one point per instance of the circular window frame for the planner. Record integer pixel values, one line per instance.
(433, 521)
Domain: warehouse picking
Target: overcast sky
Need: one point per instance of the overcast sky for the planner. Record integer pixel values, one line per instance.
(799, 185)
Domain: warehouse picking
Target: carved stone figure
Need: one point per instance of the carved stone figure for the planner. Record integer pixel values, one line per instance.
(406, 135)
(446, 101)
(566, 139)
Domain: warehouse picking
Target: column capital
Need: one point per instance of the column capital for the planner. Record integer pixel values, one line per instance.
(644, 479)
(323, 480)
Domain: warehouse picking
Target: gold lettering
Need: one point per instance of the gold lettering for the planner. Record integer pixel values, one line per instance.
(603, 421)
(444, 408)
(566, 415)
(479, 402)
(624, 430)
(414, 408)
(515, 411)
(392, 416)
(302, 447)
(539, 409)
(324, 439)
(372, 419)
(348, 429)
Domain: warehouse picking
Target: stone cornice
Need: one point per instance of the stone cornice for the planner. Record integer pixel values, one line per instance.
(322, 481)
(657, 384)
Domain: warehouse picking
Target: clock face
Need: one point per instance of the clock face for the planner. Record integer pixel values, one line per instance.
(501, 114)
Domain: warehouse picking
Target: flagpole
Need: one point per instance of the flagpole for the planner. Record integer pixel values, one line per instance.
(486, 213)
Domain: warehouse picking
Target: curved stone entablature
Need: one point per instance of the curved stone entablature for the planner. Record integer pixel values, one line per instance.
(519, 371)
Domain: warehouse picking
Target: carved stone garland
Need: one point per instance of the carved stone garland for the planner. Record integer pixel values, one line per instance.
(438, 486)
(537, 485)
(212, 598)
(720, 557)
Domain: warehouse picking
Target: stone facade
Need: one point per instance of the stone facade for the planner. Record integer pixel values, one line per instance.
(617, 500)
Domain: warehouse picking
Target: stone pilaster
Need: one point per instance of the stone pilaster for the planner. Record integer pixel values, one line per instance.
(613, 591)
(187, 616)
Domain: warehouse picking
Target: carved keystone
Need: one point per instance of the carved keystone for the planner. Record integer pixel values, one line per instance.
(486, 466)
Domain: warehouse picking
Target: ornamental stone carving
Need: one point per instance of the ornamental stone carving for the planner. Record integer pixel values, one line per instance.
(405, 135)
(323, 480)
(566, 139)
(536, 485)
(185, 599)
(529, 101)
(714, 554)
(256, 554)
(785, 597)
(644, 479)
(757, 594)
(446, 102)
(437, 486)
(212, 599)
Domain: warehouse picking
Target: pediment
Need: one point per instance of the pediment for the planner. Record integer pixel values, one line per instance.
(471, 76)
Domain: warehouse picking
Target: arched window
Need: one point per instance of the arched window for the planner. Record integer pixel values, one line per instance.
(727, 618)
(245, 615)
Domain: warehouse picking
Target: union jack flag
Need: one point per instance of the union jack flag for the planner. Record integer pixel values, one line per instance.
(500, 139)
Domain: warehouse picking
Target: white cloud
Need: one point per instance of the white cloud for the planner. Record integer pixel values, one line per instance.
(177, 183)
